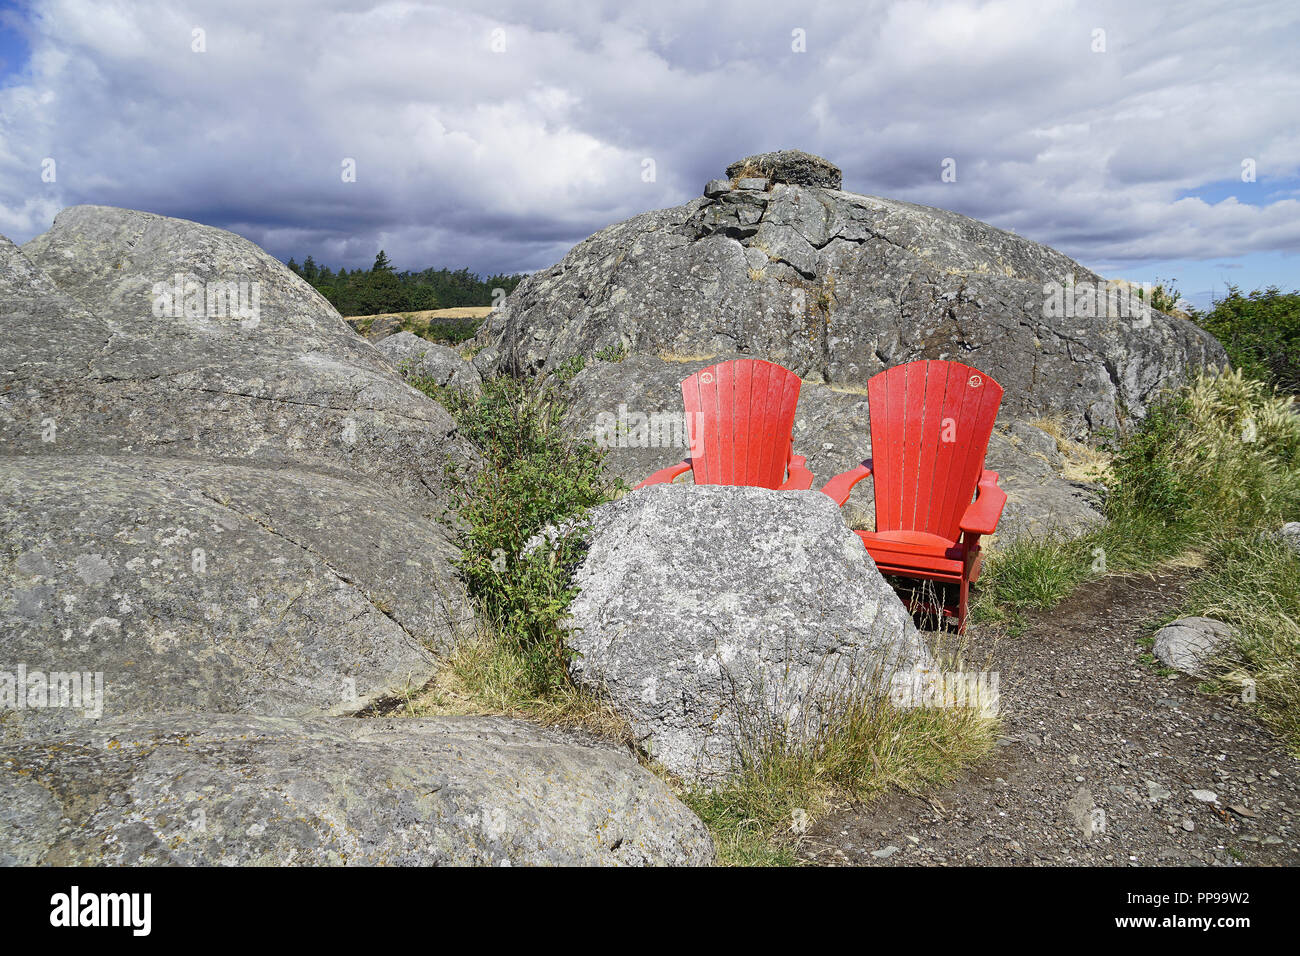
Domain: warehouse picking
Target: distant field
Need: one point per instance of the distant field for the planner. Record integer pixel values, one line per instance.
(465, 312)
(449, 326)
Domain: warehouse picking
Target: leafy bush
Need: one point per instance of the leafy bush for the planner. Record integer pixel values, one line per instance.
(1261, 332)
(534, 475)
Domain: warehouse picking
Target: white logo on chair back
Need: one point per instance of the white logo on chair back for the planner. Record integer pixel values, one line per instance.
(975, 381)
(706, 378)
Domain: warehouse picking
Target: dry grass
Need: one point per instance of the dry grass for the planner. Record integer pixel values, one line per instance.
(1082, 462)
(748, 171)
(484, 676)
(464, 312)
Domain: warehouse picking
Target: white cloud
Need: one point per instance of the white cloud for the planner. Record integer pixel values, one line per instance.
(502, 160)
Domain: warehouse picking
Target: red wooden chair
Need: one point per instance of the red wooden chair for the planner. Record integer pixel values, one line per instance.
(740, 418)
(930, 427)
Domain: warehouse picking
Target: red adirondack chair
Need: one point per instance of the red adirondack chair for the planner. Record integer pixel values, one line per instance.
(740, 419)
(930, 427)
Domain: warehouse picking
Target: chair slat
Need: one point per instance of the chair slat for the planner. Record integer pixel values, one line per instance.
(740, 417)
(924, 482)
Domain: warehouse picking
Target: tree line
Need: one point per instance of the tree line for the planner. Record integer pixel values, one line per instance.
(381, 288)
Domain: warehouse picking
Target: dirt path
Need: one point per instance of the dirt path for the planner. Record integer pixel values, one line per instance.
(1093, 739)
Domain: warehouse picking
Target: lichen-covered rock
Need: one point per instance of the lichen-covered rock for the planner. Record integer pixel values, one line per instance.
(837, 287)
(415, 357)
(215, 495)
(217, 587)
(1290, 535)
(790, 166)
(222, 790)
(707, 612)
(1187, 643)
(127, 332)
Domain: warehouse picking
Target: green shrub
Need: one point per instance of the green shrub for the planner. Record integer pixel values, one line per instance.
(1261, 332)
(534, 475)
(1216, 459)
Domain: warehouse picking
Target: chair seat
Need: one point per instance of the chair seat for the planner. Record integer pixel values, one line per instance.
(915, 551)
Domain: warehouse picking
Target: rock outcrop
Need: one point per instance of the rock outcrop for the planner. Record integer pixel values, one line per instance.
(415, 357)
(272, 791)
(217, 497)
(222, 522)
(836, 287)
(713, 615)
(780, 264)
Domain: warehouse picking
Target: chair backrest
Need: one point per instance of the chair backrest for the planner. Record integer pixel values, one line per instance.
(930, 427)
(740, 416)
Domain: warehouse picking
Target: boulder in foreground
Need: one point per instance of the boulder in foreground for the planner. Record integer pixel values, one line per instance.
(703, 611)
(227, 790)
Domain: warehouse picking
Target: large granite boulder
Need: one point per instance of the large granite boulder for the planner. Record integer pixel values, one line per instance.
(127, 332)
(215, 587)
(418, 358)
(633, 409)
(224, 790)
(217, 497)
(836, 287)
(711, 614)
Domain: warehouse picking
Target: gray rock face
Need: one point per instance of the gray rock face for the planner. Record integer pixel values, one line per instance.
(1290, 535)
(217, 587)
(248, 362)
(708, 612)
(837, 287)
(222, 790)
(792, 166)
(220, 501)
(417, 357)
(832, 428)
(1186, 644)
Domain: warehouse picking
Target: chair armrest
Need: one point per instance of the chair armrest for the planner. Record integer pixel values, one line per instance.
(839, 487)
(982, 514)
(801, 478)
(665, 475)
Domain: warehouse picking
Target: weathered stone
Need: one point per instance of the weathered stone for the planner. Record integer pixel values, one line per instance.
(216, 587)
(97, 342)
(1290, 535)
(751, 183)
(716, 187)
(844, 286)
(231, 507)
(711, 614)
(220, 790)
(791, 166)
(415, 357)
(1186, 644)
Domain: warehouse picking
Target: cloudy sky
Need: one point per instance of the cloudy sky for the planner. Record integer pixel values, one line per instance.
(495, 135)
